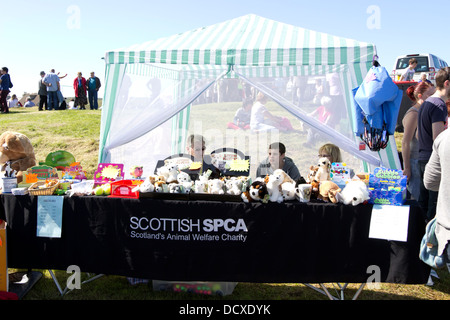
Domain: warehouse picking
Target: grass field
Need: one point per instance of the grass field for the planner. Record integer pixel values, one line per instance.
(77, 131)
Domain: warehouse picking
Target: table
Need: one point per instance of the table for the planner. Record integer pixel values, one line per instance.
(291, 242)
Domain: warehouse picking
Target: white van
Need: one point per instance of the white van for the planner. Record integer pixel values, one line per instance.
(426, 63)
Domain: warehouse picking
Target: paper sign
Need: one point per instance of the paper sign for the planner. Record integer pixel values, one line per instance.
(195, 166)
(239, 165)
(49, 216)
(43, 172)
(389, 222)
(108, 172)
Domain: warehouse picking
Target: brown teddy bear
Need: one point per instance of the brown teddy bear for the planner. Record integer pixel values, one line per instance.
(16, 149)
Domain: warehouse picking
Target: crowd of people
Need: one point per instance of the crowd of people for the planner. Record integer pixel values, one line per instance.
(49, 92)
(425, 146)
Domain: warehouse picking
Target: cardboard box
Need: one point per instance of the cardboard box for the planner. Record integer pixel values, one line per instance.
(4, 285)
(387, 186)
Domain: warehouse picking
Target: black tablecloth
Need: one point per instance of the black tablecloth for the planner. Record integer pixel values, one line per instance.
(287, 242)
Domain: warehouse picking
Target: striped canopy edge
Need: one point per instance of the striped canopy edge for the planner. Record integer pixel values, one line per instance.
(249, 40)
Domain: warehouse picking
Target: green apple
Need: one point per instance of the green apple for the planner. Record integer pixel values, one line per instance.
(106, 189)
(98, 191)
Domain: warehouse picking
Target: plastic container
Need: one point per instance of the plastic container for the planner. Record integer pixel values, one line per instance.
(123, 189)
(202, 287)
(84, 187)
(7, 184)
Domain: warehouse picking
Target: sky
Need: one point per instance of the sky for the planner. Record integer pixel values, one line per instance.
(72, 36)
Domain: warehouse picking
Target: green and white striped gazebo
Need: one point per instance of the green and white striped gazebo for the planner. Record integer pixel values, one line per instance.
(149, 87)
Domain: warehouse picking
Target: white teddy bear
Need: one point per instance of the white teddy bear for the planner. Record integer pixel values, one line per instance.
(234, 186)
(354, 193)
(201, 186)
(288, 191)
(185, 180)
(273, 187)
(146, 186)
(215, 186)
(169, 171)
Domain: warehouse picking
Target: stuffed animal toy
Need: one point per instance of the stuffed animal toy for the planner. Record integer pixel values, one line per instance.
(288, 191)
(161, 186)
(334, 195)
(185, 180)
(274, 186)
(169, 171)
(257, 191)
(234, 186)
(201, 186)
(354, 193)
(286, 177)
(314, 189)
(216, 186)
(303, 192)
(136, 172)
(324, 169)
(146, 186)
(16, 149)
(312, 174)
(328, 191)
(176, 188)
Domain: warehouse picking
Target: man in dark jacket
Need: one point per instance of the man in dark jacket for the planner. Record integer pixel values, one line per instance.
(93, 85)
(277, 160)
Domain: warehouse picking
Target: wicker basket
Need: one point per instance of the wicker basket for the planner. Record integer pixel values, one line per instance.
(35, 191)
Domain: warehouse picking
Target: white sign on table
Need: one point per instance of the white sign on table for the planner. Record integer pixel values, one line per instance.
(49, 216)
(389, 222)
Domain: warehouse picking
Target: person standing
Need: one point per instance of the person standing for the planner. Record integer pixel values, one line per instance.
(79, 85)
(93, 85)
(51, 81)
(432, 120)
(410, 148)
(42, 92)
(5, 85)
(436, 169)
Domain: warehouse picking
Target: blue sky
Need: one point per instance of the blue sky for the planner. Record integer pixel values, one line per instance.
(74, 35)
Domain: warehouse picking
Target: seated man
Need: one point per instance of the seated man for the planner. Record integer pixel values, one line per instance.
(195, 146)
(278, 160)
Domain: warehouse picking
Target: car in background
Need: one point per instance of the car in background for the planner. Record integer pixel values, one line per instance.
(426, 63)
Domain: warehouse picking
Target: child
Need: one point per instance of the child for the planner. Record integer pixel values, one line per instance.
(409, 73)
(241, 119)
